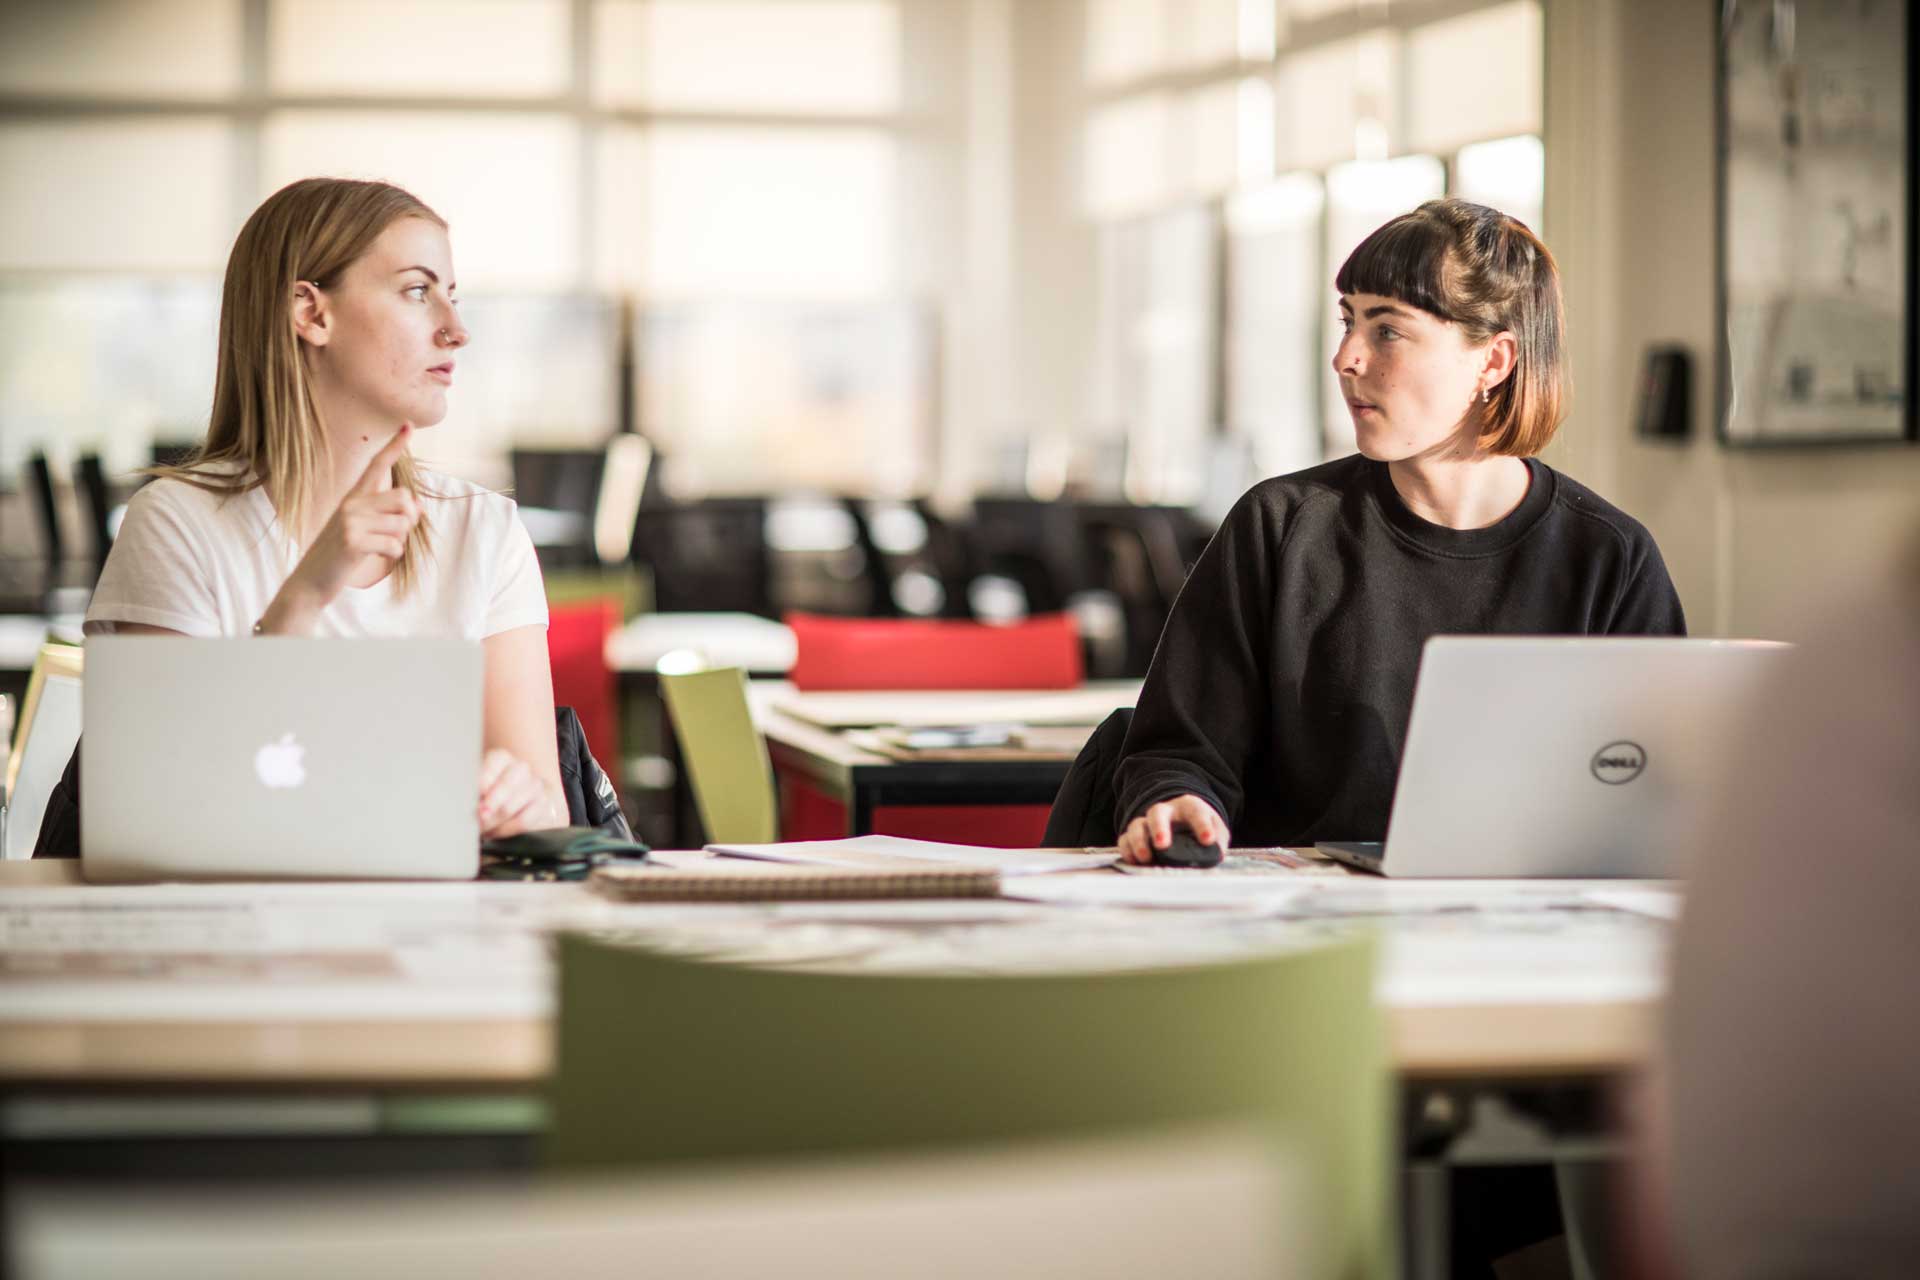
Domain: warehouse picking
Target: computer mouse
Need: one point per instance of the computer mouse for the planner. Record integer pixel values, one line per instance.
(1185, 850)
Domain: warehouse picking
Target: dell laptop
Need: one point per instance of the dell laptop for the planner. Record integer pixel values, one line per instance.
(1559, 756)
(279, 757)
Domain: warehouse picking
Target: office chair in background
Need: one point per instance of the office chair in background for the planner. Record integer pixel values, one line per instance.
(724, 755)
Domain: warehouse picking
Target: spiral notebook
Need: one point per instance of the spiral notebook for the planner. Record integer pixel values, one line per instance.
(740, 880)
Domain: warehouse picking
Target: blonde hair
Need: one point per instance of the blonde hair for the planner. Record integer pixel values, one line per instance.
(265, 431)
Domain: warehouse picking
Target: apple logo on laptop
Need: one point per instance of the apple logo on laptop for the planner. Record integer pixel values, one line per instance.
(278, 763)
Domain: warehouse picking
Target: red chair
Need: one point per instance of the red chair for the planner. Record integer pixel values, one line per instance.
(576, 650)
(897, 653)
(911, 653)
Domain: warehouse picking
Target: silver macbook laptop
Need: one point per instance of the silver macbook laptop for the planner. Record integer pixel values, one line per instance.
(1559, 756)
(279, 757)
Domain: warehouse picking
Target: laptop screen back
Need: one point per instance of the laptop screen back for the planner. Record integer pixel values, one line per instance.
(279, 756)
(1563, 756)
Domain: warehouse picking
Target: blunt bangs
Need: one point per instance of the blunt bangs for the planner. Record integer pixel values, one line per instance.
(1407, 259)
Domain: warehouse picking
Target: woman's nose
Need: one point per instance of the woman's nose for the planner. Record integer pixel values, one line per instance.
(453, 333)
(1346, 356)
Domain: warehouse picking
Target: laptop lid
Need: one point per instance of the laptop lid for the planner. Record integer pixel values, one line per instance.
(279, 756)
(1563, 756)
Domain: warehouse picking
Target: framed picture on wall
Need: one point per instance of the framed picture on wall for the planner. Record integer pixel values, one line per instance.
(1816, 222)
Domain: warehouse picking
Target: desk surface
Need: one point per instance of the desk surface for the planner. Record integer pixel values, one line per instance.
(838, 762)
(435, 985)
(757, 645)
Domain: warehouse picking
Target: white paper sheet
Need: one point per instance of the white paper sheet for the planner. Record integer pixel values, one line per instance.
(1250, 894)
(1661, 904)
(865, 708)
(881, 851)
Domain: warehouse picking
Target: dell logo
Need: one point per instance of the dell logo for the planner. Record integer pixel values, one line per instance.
(1619, 762)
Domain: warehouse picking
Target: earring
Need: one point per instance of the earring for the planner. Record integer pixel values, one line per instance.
(1485, 395)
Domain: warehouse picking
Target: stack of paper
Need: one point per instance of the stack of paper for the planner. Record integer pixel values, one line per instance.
(874, 853)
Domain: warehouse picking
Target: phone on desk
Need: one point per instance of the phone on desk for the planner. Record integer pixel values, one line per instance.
(948, 737)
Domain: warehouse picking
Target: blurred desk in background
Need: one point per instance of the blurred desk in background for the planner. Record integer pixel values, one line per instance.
(758, 646)
(817, 739)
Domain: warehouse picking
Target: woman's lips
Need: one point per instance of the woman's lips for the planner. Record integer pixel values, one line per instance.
(442, 373)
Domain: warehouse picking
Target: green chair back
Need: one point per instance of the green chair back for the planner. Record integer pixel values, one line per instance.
(724, 755)
(664, 1060)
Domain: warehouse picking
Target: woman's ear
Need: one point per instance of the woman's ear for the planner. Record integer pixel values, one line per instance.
(1503, 352)
(312, 319)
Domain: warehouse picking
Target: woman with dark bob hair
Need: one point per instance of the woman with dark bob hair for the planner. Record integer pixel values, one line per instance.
(1277, 703)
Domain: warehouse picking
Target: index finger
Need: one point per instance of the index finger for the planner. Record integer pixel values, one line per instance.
(382, 465)
(1199, 818)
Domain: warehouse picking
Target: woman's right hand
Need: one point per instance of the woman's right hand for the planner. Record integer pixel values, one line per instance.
(373, 519)
(1154, 828)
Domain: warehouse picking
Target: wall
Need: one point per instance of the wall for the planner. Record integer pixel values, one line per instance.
(1756, 541)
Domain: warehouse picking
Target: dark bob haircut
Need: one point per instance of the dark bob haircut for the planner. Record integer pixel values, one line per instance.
(1487, 273)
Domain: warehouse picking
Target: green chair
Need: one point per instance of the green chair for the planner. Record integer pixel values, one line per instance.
(724, 755)
(665, 1061)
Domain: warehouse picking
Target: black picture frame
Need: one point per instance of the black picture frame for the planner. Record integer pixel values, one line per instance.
(1739, 25)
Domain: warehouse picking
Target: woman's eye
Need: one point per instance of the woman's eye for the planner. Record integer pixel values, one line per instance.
(1388, 332)
(418, 292)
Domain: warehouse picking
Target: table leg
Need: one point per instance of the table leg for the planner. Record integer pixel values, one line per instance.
(860, 808)
(1427, 1220)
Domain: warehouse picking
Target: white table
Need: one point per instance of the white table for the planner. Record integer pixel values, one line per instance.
(759, 646)
(439, 984)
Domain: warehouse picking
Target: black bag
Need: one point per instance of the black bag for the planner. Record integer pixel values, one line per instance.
(589, 792)
(590, 798)
(1082, 815)
(60, 825)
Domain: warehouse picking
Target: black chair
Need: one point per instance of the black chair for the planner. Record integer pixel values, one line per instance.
(950, 555)
(171, 453)
(558, 479)
(90, 478)
(1036, 544)
(1141, 555)
(875, 567)
(47, 511)
(707, 556)
(565, 481)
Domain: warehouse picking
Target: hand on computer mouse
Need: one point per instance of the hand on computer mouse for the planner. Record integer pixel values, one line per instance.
(1153, 830)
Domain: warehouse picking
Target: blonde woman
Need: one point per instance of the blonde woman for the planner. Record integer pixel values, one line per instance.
(304, 514)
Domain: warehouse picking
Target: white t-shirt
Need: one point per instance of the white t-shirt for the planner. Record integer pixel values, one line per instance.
(209, 564)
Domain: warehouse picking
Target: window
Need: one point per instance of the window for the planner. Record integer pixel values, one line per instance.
(725, 212)
(759, 57)
(748, 159)
(513, 226)
(1366, 110)
(419, 48)
(105, 49)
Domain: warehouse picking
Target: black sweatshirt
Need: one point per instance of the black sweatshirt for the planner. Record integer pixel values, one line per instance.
(1282, 684)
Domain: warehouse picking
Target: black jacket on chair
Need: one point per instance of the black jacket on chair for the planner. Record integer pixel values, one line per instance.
(590, 798)
(589, 792)
(1082, 814)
